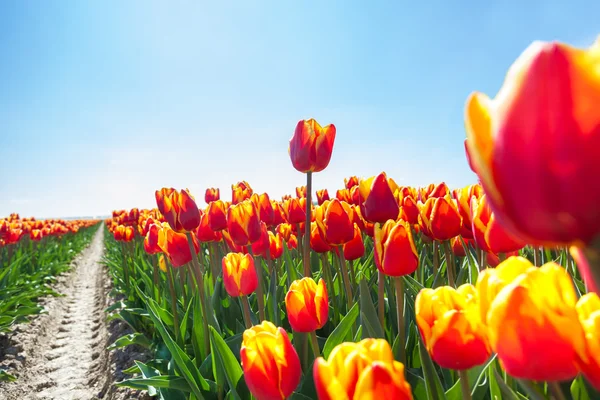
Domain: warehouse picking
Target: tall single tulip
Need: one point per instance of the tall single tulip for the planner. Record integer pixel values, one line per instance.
(543, 131)
(239, 274)
(451, 327)
(307, 305)
(270, 363)
(365, 370)
(311, 146)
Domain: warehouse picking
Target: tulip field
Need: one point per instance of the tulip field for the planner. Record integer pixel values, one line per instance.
(374, 291)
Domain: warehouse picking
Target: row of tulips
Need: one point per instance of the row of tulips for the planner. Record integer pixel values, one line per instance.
(385, 291)
(32, 253)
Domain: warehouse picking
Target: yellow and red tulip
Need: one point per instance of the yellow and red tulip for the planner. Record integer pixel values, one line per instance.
(307, 305)
(311, 146)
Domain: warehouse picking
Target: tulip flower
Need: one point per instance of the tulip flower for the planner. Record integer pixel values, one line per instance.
(240, 191)
(354, 249)
(395, 252)
(588, 310)
(489, 234)
(377, 200)
(409, 210)
(262, 245)
(243, 223)
(212, 194)
(176, 246)
(365, 370)
(311, 146)
(533, 326)
(179, 209)
(300, 192)
(463, 199)
(344, 195)
(541, 130)
(270, 363)
(284, 230)
(307, 305)
(151, 240)
(276, 245)
(350, 182)
(451, 327)
(217, 215)
(322, 196)
(204, 233)
(317, 243)
(295, 210)
(264, 207)
(335, 221)
(36, 235)
(239, 274)
(440, 219)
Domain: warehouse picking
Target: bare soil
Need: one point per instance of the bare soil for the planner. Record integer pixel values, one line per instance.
(62, 354)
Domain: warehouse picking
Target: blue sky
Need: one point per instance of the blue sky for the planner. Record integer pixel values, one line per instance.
(102, 102)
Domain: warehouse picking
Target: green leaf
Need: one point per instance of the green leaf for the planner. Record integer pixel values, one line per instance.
(226, 360)
(435, 391)
(134, 338)
(508, 393)
(368, 315)
(341, 331)
(6, 377)
(165, 381)
(475, 374)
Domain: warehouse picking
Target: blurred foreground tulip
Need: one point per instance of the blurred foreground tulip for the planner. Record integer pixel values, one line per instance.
(538, 141)
(588, 309)
(270, 363)
(532, 322)
(451, 327)
(365, 370)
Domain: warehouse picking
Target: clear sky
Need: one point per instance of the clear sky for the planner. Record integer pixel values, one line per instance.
(102, 102)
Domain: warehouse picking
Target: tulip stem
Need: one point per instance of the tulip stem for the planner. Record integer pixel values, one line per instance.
(449, 263)
(182, 281)
(246, 308)
(464, 384)
(155, 278)
(315, 344)
(326, 268)
(200, 283)
(436, 258)
(556, 391)
(381, 298)
(306, 244)
(345, 278)
(125, 266)
(260, 297)
(399, 284)
(214, 251)
(173, 303)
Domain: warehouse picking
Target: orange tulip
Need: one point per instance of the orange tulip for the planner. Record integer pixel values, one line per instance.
(179, 209)
(377, 200)
(322, 196)
(532, 322)
(335, 221)
(588, 310)
(463, 199)
(317, 243)
(278, 213)
(307, 305)
(301, 191)
(240, 191)
(295, 210)
(217, 215)
(264, 207)
(204, 233)
(489, 234)
(311, 146)
(395, 252)
(451, 327)
(151, 240)
(365, 370)
(351, 181)
(354, 249)
(212, 194)
(344, 195)
(543, 130)
(270, 363)
(243, 223)
(292, 242)
(239, 274)
(276, 245)
(176, 246)
(284, 230)
(440, 218)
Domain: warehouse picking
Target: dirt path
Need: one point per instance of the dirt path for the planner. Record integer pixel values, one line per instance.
(61, 355)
